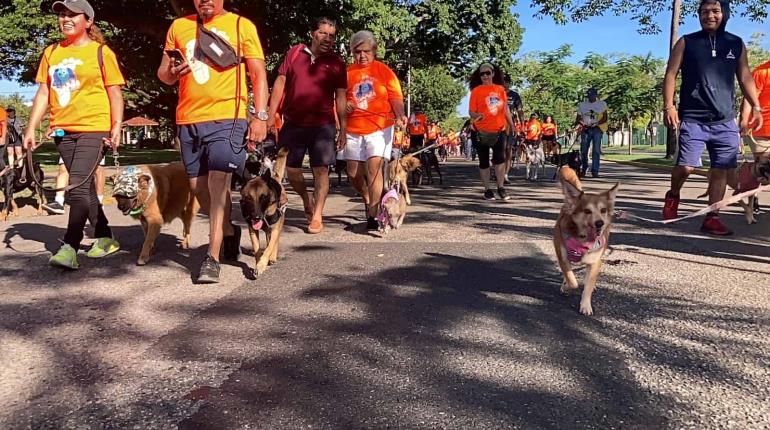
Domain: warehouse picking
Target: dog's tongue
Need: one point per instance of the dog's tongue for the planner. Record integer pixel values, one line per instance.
(591, 236)
(257, 225)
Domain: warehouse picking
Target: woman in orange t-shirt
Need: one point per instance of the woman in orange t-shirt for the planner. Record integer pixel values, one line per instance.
(375, 104)
(549, 131)
(490, 115)
(80, 83)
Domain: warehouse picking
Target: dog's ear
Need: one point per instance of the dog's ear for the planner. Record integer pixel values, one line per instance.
(613, 192)
(144, 181)
(571, 193)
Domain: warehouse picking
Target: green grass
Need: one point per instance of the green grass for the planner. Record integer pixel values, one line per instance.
(635, 148)
(48, 156)
(639, 158)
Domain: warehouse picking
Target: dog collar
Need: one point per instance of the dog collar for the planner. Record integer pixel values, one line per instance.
(577, 249)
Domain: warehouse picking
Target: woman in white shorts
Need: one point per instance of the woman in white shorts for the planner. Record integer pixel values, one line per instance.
(375, 104)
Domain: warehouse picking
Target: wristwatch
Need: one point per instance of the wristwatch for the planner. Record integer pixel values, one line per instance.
(263, 115)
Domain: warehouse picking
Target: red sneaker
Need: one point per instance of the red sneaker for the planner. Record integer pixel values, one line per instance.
(670, 206)
(713, 225)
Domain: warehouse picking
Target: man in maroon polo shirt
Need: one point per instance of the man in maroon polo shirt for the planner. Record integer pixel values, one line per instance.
(309, 82)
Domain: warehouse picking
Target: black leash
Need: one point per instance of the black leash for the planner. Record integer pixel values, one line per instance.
(31, 167)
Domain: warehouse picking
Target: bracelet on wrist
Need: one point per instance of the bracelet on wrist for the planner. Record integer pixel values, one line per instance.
(666, 109)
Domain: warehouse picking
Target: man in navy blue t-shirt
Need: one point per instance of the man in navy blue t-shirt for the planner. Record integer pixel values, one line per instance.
(710, 61)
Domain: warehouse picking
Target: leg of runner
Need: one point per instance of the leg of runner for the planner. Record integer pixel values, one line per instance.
(218, 185)
(297, 181)
(320, 191)
(356, 174)
(376, 183)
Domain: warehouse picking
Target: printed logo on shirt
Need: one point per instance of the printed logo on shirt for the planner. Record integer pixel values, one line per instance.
(363, 91)
(64, 80)
(200, 70)
(730, 55)
(493, 103)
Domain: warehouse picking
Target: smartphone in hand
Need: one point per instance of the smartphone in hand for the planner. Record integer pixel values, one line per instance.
(176, 56)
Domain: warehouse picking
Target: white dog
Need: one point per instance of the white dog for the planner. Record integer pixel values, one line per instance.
(535, 159)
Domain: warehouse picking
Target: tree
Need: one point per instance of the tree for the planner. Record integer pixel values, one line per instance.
(456, 33)
(642, 11)
(436, 92)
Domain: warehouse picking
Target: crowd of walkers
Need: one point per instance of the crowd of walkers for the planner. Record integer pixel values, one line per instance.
(323, 108)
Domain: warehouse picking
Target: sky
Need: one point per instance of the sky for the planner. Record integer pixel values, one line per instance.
(603, 35)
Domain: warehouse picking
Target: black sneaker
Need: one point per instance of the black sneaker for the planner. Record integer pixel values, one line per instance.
(503, 195)
(209, 272)
(489, 195)
(231, 245)
(54, 208)
(595, 174)
(372, 224)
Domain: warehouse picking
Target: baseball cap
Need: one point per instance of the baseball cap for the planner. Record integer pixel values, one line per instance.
(77, 6)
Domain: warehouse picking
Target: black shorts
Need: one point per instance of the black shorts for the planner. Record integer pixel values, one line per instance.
(551, 138)
(317, 140)
(206, 146)
(498, 151)
(416, 141)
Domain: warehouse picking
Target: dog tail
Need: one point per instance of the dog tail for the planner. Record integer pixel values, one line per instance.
(279, 168)
(566, 174)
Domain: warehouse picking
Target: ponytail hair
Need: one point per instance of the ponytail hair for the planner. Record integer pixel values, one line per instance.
(95, 34)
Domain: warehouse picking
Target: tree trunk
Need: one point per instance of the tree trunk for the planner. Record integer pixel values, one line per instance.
(676, 10)
(630, 136)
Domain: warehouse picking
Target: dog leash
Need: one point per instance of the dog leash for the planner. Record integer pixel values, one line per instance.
(625, 214)
(31, 167)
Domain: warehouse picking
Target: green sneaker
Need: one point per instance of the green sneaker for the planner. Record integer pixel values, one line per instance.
(66, 257)
(103, 247)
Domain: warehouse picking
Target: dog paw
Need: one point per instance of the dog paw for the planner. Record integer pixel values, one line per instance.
(184, 245)
(141, 261)
(585, 308)
(568, 289)
(261, 267)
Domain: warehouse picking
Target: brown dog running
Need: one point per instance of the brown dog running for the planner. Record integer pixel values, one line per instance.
(398, 173)
(162, 196)
(582, 234)
(263, 201)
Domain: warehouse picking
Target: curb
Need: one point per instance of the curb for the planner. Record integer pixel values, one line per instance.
(698, 171)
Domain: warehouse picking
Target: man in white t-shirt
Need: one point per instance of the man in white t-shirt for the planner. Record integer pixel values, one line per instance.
(592, 115)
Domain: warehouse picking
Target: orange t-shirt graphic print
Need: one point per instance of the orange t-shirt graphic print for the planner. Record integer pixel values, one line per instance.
(77, 88)
(208, 93)
(490, 102)
(370, 89)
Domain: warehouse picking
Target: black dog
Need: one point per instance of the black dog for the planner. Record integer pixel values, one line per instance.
(428, 160)
(254, 162)
(570, 159)
(339, 167)
(17, 180)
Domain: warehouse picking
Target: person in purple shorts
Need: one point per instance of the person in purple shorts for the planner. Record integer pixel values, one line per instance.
(710, 61)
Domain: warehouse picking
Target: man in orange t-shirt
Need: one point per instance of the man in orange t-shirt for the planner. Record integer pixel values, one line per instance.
(417, 128)
(211, 114)
(533, 130)
(433, 133)
(760, 144)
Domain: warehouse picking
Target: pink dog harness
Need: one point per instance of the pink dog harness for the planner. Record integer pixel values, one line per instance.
(384, 217)
(577, 249)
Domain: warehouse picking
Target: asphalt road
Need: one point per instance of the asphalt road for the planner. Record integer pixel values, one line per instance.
(454, 321)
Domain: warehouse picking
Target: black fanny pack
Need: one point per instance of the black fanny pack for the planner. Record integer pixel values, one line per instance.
(216, 49)
(488, 139)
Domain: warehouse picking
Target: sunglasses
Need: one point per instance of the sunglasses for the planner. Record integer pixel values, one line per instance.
(487, 73)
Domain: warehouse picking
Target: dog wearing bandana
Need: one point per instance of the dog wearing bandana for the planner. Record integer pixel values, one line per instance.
(156, 195)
